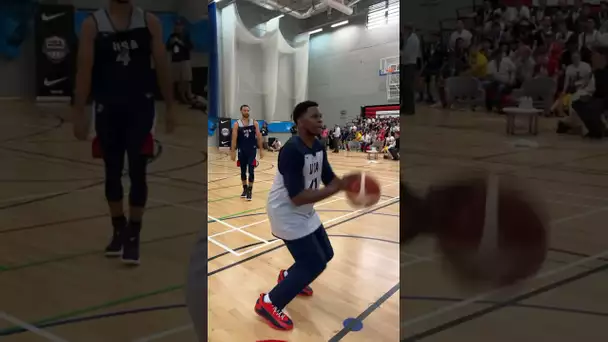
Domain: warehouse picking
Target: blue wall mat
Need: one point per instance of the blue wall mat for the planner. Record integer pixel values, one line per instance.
(15, 17)
(211, 126)
(280, 127)
(198, 30)
(214, 67)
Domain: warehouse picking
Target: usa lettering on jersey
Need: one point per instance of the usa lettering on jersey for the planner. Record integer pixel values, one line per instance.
(123, 49)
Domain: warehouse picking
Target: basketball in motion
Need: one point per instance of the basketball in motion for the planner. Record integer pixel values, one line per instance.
(488, 232)
(362, 190)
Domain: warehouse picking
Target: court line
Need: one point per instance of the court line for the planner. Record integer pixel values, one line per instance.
(14, 267)
(167, 289)
(362, 316)
(501, 305)
(516, 305)
(31, 328)
(380, 204)
(443, 310)
(424, 298)
(317, 205)
(165, 333)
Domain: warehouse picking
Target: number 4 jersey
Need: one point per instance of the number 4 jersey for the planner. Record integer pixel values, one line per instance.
(299, 168)
(122, 70)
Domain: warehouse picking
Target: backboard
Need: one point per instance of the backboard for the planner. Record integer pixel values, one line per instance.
(389, 68)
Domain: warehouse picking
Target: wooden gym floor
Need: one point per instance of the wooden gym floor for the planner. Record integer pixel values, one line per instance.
(56, 285)
(54, 227)
(567, 300)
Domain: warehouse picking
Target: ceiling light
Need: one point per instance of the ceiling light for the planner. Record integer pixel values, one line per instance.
(340, 23)
(315, 31)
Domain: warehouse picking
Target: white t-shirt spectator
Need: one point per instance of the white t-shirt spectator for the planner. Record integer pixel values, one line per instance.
(589, 39)
(502, 70)
(411, 50)
(464, 34)
(577, 75)
(337, 132)
(512, 14)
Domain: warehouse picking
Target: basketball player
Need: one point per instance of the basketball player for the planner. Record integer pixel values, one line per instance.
(246, 137)
(116, 47)
(302, 166)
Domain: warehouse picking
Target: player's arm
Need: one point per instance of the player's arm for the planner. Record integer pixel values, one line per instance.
(235, 134)
(291, 164)
(258, 136)
(84, 73)
(161, 62)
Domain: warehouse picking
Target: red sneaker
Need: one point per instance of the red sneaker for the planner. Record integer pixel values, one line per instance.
(307, 291)
(275, 318)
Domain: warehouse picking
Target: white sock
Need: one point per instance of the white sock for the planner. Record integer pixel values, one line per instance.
(267, 299)
(285, 273)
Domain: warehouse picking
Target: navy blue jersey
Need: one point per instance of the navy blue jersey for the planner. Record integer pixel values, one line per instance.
(246, 139)
(122, 70)
(299, 168)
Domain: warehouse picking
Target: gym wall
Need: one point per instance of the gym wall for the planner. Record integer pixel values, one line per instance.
(344, 65)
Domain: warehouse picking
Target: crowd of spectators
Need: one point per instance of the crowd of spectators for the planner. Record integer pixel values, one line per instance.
(504, 46)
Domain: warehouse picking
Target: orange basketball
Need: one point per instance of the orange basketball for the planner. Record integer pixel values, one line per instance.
(362, 190)
(488, 232)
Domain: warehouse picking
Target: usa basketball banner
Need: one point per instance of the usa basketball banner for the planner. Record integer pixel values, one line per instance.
(55, 55)
(225, 133)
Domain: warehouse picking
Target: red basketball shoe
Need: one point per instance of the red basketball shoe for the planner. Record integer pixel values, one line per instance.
(275, 318)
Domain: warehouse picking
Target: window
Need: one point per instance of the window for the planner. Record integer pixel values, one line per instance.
(383, 13)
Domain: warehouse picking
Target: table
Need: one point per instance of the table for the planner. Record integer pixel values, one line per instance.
(513, 112)
(372, 153)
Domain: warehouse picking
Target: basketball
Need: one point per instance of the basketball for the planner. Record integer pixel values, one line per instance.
(362, 190)
(488, 232)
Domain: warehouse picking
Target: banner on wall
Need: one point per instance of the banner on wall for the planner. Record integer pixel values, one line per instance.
(224, 127)
(55, 55)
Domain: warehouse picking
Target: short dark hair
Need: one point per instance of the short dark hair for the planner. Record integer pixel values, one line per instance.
(301, 108)
(243, 106)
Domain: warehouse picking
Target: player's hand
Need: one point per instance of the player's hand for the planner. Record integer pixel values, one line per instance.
(170, 121)
(81, 129)
(348, 179)
(233, 155)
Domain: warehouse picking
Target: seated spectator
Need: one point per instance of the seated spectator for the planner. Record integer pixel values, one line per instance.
(517, 12)
(524, 64)
(539, 12)
(563, 35)
(276, 145)
(576, 79)
(501, 77)
(460, 33)
(587, 40)
(478, 63)
(591, 109)
(484, 14)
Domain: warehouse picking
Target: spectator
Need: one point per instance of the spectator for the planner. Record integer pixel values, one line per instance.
(517, 12)
(478, 66)
(591, 108)
(460, 33)
(589, 37)
(336, 138)
(577, 77)
(180, 46)
(501, 77)
(524, 64)
(540, 12)
(409, 57)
